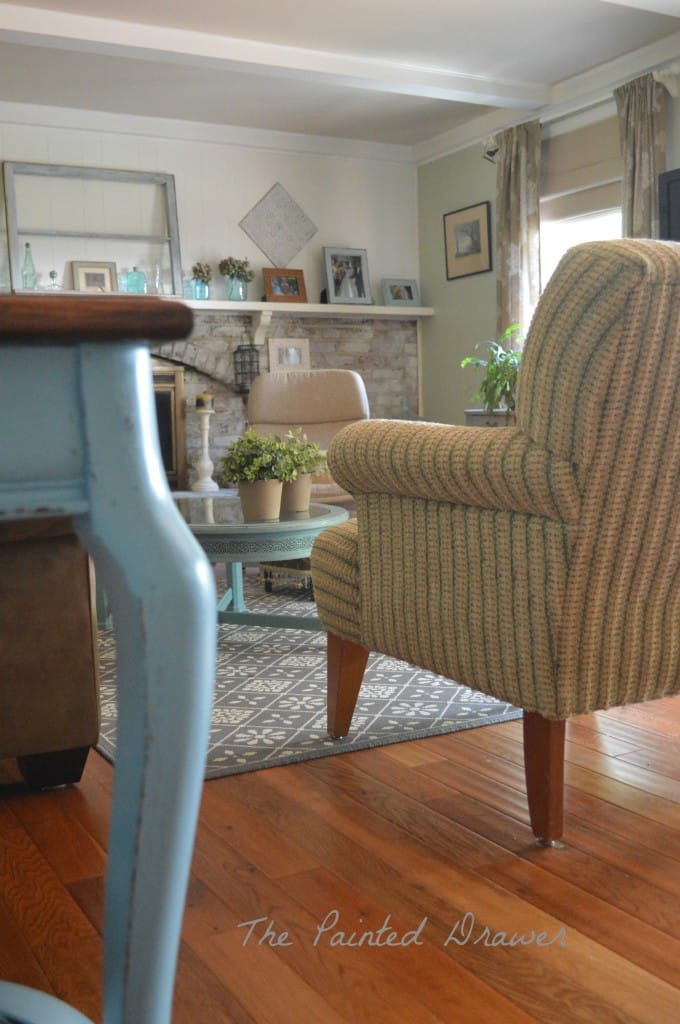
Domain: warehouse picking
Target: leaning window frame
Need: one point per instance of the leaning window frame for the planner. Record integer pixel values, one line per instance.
(12, 170)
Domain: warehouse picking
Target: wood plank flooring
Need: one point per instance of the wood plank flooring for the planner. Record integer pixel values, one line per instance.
(427, 842)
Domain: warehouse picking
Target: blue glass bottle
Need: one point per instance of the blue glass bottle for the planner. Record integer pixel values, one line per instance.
(28, 274)
(135, 281)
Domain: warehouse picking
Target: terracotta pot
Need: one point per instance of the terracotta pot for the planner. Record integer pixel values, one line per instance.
(296, 495)
(260, 500)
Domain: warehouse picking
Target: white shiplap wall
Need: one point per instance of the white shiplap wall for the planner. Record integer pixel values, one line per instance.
(358, 194)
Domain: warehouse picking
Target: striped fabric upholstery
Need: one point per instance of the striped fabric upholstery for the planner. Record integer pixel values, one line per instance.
(540, 563)
(336, 568)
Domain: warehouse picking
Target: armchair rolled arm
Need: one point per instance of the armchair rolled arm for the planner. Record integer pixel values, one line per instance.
(490, 468)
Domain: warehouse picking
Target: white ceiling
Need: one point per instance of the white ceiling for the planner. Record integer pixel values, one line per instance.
(385, 71)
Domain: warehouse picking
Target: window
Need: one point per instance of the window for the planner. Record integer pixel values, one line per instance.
(559, 235)
(91, 214)
(580, 187)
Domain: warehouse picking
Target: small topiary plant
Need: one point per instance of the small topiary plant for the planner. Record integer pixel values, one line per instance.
(257, 457)
(306, 455)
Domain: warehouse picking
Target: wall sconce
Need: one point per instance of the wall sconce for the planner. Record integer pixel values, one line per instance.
(491, 148)
(246, 367)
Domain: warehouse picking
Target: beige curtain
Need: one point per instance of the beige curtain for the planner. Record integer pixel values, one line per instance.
(641, 106)
(517, 224)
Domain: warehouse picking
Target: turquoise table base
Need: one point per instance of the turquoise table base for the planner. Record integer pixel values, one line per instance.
(217, 523)
(76, 400)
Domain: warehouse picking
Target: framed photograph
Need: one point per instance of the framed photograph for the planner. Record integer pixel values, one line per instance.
(289, 354)
(467, 241)
(283, 285)
(400, 292)
(347, 275)
(94, 277)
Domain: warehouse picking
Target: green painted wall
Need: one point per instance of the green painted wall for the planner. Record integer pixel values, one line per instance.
(465, 309)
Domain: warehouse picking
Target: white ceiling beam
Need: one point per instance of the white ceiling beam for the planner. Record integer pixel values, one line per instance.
(38, 27)
(573, 94)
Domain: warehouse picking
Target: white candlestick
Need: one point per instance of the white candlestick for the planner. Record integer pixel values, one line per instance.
(204, 466)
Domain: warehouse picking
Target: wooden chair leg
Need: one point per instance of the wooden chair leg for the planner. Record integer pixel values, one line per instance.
(346, 662)
(544, 771)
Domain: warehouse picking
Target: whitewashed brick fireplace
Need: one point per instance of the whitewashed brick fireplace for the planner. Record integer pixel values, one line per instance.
(383, 349)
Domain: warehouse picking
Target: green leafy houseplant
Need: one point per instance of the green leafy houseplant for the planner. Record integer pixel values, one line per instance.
(498, 389)
(257, 457)
(305, 455)
(239, 269)
(202, 272)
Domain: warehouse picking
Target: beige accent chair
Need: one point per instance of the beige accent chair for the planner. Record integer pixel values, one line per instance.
(49, 691)
(539, 564)
(320, 402)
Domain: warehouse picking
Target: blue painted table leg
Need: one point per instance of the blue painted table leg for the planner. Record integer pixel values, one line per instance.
(235, 577)
(28, 1006)
(225, 601)
(162, 595)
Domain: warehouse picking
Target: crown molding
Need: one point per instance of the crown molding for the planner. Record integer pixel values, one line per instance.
(68, 118)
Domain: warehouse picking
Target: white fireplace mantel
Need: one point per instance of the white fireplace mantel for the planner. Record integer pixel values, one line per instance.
(331, 309)
(262, 312)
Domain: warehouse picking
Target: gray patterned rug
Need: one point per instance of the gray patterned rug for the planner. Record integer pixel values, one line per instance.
(270, 695)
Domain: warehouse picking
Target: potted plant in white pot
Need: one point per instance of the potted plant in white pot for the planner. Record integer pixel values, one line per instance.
(498, 389)
(307, 459)
(258, 465)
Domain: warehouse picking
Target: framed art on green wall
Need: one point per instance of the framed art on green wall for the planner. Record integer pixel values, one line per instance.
(467, 241)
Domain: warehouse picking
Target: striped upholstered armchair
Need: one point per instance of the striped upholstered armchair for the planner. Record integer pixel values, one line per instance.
(539, 563)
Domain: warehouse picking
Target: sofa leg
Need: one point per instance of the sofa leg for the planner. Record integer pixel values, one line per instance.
(544, 771)
(56, 768)
(346, 662)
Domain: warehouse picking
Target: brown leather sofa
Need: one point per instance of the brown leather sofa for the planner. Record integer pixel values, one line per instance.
(49, 701)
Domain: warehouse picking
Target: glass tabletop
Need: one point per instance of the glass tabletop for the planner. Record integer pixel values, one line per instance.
(222, 509)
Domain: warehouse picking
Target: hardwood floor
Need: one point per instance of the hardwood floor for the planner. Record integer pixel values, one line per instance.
(428, 840)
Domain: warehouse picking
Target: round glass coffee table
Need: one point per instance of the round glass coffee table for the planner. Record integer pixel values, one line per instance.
(217, 523)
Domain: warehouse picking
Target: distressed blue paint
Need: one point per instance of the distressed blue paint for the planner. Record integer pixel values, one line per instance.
(84, 442)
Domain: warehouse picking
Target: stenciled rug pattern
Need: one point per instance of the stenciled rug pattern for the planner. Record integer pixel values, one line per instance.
(270, 695)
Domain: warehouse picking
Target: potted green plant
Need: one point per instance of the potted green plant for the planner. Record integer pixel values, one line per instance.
(498, 389)
(258, 465)
(202, 276)
(307, 458)
(239, 273)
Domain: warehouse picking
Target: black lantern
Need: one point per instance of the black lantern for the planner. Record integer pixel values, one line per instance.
(246, 367)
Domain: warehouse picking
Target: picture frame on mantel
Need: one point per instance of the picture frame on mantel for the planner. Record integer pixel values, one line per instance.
(400, 291)
(347, 278)
(94, 277)
(467, 241)
(284, 285)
